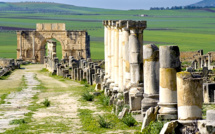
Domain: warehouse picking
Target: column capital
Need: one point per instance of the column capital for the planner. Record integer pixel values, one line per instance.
(33, 33)
(18, 32)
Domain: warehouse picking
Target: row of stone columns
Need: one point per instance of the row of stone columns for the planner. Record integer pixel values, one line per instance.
(123, 53)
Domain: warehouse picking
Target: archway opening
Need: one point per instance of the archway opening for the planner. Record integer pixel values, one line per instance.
(58, 48)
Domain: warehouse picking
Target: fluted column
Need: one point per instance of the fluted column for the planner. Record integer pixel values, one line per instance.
(169, 66)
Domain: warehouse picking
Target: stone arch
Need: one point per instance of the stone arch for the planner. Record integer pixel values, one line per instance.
(73, 43)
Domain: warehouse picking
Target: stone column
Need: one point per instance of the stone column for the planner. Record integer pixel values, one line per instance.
(126, 64)
(33, 47)
(140, 39)
(116, 55)
(190, 96)
(151, 76)
(209, 61)
(169, 65)
(106, 47)
(109, 50)
(134, 48)
(112, 49)
(20, 43)
(205, 62)
(199, 62)
(121, 73)
(202, 62)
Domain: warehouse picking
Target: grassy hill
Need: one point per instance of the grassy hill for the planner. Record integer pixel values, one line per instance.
(205, 3)
(47, 7)
(189, 29)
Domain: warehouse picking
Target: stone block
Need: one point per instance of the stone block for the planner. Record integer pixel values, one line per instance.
(208, 92)
(150, 115)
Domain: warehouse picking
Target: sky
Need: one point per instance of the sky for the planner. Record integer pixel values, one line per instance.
(118, 4)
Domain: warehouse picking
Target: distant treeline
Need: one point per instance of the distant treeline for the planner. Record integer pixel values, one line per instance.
(180, 7)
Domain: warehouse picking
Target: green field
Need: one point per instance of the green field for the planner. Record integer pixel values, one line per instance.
(189, 29)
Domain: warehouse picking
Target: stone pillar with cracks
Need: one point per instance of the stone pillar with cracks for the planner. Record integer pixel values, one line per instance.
(151, 77)
(190, 97)
(169, 66)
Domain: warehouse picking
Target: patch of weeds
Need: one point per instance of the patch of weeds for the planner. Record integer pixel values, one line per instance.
(3, 97)
(129, 120)
(17, 121)
(44, 70)
(87, 96)
(86, 85)
(84, 81)
(154, 127)
(104, 123)
(205, 108)
(46, 103)
(88, 122)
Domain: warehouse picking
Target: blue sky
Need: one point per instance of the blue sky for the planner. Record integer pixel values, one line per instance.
(119, 4)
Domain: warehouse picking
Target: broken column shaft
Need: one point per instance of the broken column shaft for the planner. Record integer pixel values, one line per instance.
(190, 96)
(169, 66)
(151, 76)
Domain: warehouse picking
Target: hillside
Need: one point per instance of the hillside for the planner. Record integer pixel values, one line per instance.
(205, 3)
(47, 7)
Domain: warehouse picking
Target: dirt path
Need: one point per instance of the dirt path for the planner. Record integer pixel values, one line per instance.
(17, 102)
(61, 113)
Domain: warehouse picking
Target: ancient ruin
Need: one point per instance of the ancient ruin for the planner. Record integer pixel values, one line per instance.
(31, 45)
(144, 80)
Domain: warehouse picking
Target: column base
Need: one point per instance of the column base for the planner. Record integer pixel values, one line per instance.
(167, 117)
(168, 111)
(149, 100)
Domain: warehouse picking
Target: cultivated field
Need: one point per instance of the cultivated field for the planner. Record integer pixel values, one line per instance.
(190, 29)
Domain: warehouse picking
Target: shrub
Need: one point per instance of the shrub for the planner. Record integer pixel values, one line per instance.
(87, 96)
(129, 120)
(17, 121)
(104, 123)
(153, 127)
(105, 100)
(84, 81)
(46, 103)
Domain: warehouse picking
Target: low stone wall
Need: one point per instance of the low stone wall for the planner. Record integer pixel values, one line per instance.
(8, 65)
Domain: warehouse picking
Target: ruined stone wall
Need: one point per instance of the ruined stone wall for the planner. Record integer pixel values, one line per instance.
(190, 55)
(31, 44)
(212, 56)
(6, 62)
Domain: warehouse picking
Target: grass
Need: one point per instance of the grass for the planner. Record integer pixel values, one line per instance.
(17, 122)
(129, 120)
(154, 127)
(3, 97)
(87, 96)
